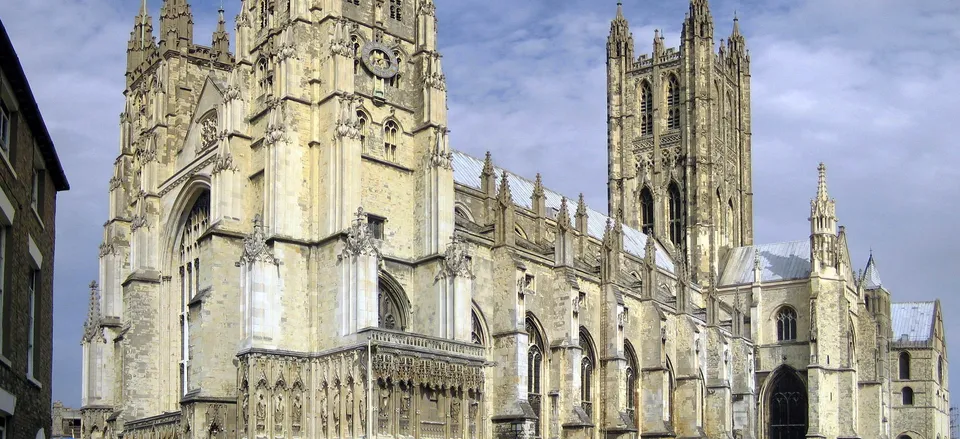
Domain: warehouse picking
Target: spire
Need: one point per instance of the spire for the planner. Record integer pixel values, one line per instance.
(505, 196)
(581, 216)
(92, 325)
(176, 25)
(221, 40)
(871, 277)
(620, 41)
(538, 190)
(563, 215)
(823, 225)
(736, 43)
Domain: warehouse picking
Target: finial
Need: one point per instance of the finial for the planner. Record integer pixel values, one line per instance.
(505, 195)
(822, 182)
(581, 206)
(620, 9)
(538, 190)
(563, 215)
(488, 164)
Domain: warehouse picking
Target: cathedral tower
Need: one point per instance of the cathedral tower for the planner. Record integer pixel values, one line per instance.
(679, 139)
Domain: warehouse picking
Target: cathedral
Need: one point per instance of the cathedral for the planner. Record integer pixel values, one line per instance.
(295, 250)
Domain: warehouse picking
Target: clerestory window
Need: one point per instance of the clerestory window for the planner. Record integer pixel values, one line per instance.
(673, 103)
(646, 109)
(676, 214)
(646, 211)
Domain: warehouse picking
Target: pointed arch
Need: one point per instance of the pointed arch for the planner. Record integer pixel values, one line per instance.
(363, 125)
(786, 321)
(673, 102)
(675, 208)
(646, 210)
(356, 42)
(479, 326)
(588, 367)
(729, 221)
(669, 387)
(391, 138)
(646, 108)
(784, 400)
(461, 210)
(536, 354)
(394, 307)
(519, 231)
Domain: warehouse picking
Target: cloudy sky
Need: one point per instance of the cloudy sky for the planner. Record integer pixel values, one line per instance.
(869, 87)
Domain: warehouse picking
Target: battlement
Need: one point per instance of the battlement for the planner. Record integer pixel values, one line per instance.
(196, 54)
(648, 60)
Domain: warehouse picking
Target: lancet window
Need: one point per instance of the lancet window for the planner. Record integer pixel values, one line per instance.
(676, 212)
(194, 226)
(588, 364)
(362, 127)
(396, 10)
(390, 136)
(904, 366)
(646, 211)
(631, 377)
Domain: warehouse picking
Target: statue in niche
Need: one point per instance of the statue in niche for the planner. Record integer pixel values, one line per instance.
(296, 414)
(336, 410)
(261, 413)
(349, 407)
(278, 413)
(324, 410)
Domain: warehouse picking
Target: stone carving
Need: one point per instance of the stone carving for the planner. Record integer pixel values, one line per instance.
(324, 410)
(208, 132)
(276, 131)
(261, 413)
(338, 39)
(115, 182)
(440, 157)
(575, 303)
(224, 162)
(278, 412)
(138, 222)
(349, 124)
(427, 371)
(621, 317)
(107, 249)
(336, 409)
(456, 260)
(359, 240)
(91, 327)
(255, 247)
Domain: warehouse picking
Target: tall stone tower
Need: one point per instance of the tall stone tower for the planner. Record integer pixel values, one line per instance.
(679, 139)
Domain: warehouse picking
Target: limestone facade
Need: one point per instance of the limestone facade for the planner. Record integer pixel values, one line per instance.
(295, 251)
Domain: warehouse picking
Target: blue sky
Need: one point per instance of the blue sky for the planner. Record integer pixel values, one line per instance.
(869, 87)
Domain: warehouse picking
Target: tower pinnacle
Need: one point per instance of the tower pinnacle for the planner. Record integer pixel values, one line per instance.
(221, 40)
(141, 38)
(699, 22)
(176, 25)
(620, 41)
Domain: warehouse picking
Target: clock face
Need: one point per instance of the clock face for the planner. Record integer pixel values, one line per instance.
(379, 59)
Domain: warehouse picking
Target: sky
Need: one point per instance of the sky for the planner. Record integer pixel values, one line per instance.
(868, 87)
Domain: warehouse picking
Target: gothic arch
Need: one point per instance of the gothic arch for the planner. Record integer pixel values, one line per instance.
(394, 306)
(632, 384)
(669, 388)
(460, 209)
(519, 231)
(675, 212)
(785, 322)
(909, 434)
(783, 404)
(536, 368)
(588, 370)
(647, 210)
(644, 91)
(193, 189)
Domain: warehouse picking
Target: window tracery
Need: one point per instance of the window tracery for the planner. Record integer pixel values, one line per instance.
(587, 365)
(676, 212)
(196, 223)
(535, 352)
(631, 378)
(390, 135)
(396, 10)
(646, 211)
(786, 324)
(646, 109)
(673, 103)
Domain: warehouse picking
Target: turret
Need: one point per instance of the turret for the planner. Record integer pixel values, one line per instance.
(141, 42)
(620, 41)
(823, 226)
(737, 45)
(176, 25)
(699, 21)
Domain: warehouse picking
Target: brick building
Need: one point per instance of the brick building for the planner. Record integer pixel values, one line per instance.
(30, 177)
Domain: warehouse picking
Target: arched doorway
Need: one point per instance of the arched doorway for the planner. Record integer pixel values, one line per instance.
(787, 407)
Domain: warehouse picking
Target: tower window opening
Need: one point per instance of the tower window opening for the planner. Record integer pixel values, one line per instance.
(676, 211)
(907, 395)
(356, 52)
(646, 211)
(787, 325)
(535, 353)
(353, 2)
(904, 366)
(646, 109)
(362, 127)
(395, 80)
(396, 10)
(390, 131)
(673, 103)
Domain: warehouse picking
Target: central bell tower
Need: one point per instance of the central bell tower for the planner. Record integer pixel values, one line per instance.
(679, 140)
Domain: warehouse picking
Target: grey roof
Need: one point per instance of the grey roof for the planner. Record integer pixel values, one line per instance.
(912, 321)
(871, 277)
(779, 262)
(467, 171)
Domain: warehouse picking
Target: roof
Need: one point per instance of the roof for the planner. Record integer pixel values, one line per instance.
(467, 171)
(871, 277)
(778, 261)
(912, 321)
(13, 71)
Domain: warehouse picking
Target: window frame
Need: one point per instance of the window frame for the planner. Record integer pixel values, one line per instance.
(907, 397)
(32, 288)
(786, 323)
(903, 365)
(6, 122)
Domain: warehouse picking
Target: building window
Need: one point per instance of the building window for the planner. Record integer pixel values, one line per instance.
(676, 212)
(646, 211)
(37, 191)
(391, 315)
(588, 364)
(940, 370)
(362, 127)
(476, 335)
(4, 128)
(353, 2)
(4, 243)
(194, 226)
(390, 131)
(631, 376)
(646, 109)
(535, 351)
(786, 325)
(264, 77)
(904, 366)
(673, 103)
(907, 394)
(866, 302)
(375, 225)
(396, 10)
(355, 40)
(31, 322)
(395, 79)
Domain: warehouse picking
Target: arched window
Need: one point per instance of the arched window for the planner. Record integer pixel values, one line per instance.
(904, 436)
(195, 224)
(646, 109)
(588, 363)
(535, 353)
(264, 77)
(631, 376)
(866, 301)
(396, 10)
(391, 314)
(786, 324)
(731, 123)
(646, 211)
(362, 127)
(907, 394)
(904, 366)
(264, 14)
(676, 212)
(668, 380)
(395, 80)
(673, 103)
(728, 219)
(787, 406)
(940, 370)
(390, 131)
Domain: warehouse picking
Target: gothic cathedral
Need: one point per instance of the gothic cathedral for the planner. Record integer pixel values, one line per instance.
(293, 250)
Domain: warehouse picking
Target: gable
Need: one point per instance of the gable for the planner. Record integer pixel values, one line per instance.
(204, 127)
